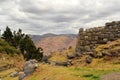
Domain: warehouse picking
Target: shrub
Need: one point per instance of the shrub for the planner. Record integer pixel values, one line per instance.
(5, 47)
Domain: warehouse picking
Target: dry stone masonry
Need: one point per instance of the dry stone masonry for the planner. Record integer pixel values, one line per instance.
(89, 39)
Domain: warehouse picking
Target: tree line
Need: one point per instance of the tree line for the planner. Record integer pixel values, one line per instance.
(23, 43)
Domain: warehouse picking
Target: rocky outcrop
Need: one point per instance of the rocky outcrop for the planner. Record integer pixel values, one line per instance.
(14, 74)
(89, 39)
(28, 69)
(21, 75)
(55, 63)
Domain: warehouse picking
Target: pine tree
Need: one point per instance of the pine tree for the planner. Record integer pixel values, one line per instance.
(17, 38)
(7, 35)
(24, 43)
(30, 51)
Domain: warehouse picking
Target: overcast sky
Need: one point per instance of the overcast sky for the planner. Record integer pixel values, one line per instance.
(57, 16)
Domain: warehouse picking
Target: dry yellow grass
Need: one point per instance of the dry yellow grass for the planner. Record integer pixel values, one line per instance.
(61, 56)
(47, 72)
(80, 70)
(58, 56)
(111, 45)
(77, 72)
(16, 60)
(5, 74)
(88, 72)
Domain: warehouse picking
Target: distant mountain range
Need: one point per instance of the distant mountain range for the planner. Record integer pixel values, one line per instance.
(53, 42)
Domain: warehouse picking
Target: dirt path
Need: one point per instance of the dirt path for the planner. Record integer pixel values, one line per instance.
(111, 76)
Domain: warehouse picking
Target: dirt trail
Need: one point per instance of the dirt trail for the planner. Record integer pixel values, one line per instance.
(111, 76)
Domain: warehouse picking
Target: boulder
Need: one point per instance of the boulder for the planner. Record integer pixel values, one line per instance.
(88, 59)
(29, 69)
(14, 74)
(30, 66)
(81, 30)
(62, 63)
(70, 56)
(45, 59)
(67, 63)
(53, 63)
(21, 76)
(78, 54)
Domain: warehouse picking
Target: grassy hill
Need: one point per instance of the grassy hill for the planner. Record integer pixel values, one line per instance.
(88, 72)
(78, 71)
(81, 70)
(10, 60)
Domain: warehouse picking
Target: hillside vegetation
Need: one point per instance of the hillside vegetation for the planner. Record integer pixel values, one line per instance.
(80, 70)
(23, 43)
(89, 72)
(15, 49)
(11, 59)
(5, 47)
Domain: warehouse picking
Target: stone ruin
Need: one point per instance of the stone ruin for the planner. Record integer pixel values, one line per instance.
(89, 39)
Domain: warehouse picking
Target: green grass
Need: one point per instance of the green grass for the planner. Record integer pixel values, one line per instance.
(88, 72)
(47, 72)
(33, 78)
(92, 73)
(5, 47)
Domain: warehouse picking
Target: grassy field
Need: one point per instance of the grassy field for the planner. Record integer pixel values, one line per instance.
(88, 72)
(48, 72)
(80, 70)
(5, 74)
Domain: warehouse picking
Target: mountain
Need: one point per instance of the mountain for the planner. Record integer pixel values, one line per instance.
(38, 37)
(52, 42)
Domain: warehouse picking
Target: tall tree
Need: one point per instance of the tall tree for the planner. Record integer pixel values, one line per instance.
(17, 38)
(30, 51)
(24, 43)
(7, 35)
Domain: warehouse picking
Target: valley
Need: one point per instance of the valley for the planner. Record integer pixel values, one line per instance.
(88, 56)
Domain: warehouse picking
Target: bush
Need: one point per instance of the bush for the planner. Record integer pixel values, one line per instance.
(5, 47)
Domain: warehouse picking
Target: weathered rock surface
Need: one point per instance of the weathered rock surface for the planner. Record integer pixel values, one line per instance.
(28, 69)
(54, 63)
(21, 75)
(14, 74)
(89, 39)
(88, 59)
(30, 66)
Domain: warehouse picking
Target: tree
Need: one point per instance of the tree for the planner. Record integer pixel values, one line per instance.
(29, 50)
(23, 43)
(17, 38)
(7, 35)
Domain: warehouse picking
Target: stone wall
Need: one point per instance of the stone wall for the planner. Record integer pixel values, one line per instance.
(89, 39)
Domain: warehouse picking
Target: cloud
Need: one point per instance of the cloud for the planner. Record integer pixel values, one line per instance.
(57, 16)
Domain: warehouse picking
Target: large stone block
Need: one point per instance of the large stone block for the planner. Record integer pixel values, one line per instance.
(87, 48)
(81, 30)
(21, 76)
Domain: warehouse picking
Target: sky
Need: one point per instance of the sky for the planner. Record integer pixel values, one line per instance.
(57, 16)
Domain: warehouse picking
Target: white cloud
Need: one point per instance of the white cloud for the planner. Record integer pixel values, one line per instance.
(57, 16)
